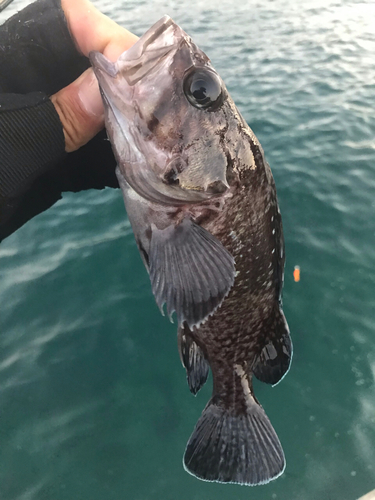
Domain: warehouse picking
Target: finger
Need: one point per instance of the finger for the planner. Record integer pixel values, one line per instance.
(80, 109)
(92, 30)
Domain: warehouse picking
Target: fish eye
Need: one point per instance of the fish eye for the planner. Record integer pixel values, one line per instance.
(202, 88)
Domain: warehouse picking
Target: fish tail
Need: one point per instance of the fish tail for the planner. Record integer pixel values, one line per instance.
(234, 447)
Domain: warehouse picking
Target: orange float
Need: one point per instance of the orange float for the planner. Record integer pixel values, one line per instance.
(296, 274)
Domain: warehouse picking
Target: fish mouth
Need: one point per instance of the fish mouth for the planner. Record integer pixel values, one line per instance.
(117, 80)
(162, 38)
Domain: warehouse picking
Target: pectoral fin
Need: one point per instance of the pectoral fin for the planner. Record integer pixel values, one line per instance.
(190, 271)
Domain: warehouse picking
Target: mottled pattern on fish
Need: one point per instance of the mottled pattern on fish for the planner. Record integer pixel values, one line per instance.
(257, 246)
(202, 203)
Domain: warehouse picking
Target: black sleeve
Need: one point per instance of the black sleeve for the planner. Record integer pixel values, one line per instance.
(31, 143)
(38, 58)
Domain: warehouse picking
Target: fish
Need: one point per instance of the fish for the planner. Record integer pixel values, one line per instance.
(202, 203)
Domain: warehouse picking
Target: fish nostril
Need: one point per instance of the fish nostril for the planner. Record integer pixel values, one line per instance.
(174, 168)
(170, 177)
(217, 187)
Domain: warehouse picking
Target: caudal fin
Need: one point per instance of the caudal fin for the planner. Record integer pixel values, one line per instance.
(231, 448)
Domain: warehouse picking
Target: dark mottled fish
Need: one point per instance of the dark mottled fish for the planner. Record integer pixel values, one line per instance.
(202, 203)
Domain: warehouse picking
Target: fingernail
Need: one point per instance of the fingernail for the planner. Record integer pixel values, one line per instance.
(89, 94)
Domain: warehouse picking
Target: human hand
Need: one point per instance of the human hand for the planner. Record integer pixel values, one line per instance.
(79, 105)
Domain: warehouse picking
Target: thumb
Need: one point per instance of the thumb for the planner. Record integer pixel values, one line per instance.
(80, 109)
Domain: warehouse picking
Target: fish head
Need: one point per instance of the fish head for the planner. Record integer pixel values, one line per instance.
(165, 112)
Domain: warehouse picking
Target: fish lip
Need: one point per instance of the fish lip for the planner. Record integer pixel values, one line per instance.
(141, 58)
(152, 34)
(100, 63)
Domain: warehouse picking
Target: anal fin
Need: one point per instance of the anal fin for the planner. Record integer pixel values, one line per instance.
(190, 271)
(192, 358)
(274, 360)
